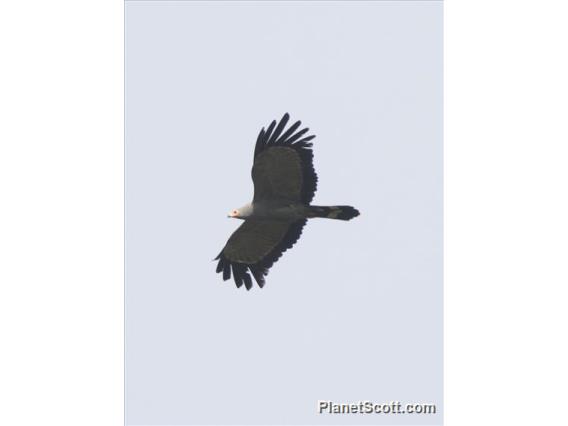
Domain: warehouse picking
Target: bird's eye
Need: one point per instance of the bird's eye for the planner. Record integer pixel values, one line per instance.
(235, 212)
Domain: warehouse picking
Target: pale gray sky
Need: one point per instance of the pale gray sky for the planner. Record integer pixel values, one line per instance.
(354, 311)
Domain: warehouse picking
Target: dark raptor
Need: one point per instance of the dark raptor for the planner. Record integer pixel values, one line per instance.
(284, 185)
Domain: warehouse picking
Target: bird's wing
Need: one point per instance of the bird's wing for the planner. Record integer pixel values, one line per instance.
(283, 164)
(254, 247)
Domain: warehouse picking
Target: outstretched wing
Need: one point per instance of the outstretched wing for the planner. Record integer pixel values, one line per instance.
(283, 164)
(254, 247)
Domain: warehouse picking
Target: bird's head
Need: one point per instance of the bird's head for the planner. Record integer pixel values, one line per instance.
(234, 213)
(242, 212)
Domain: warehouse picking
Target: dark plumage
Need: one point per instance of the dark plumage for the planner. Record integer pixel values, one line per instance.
(285, 183)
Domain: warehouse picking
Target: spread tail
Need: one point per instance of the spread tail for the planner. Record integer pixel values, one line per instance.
(333, 212)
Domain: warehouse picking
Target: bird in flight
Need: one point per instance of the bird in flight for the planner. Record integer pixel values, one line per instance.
(284, 185)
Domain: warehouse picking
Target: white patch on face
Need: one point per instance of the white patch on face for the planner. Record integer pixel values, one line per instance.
(245, 211)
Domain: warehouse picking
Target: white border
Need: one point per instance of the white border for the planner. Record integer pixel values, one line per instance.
(61, 220)
(506, 212)
(61, 174)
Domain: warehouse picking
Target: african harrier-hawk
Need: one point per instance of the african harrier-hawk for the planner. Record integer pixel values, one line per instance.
(284, 185)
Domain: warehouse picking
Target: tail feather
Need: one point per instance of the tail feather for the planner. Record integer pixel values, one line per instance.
(333, 212)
